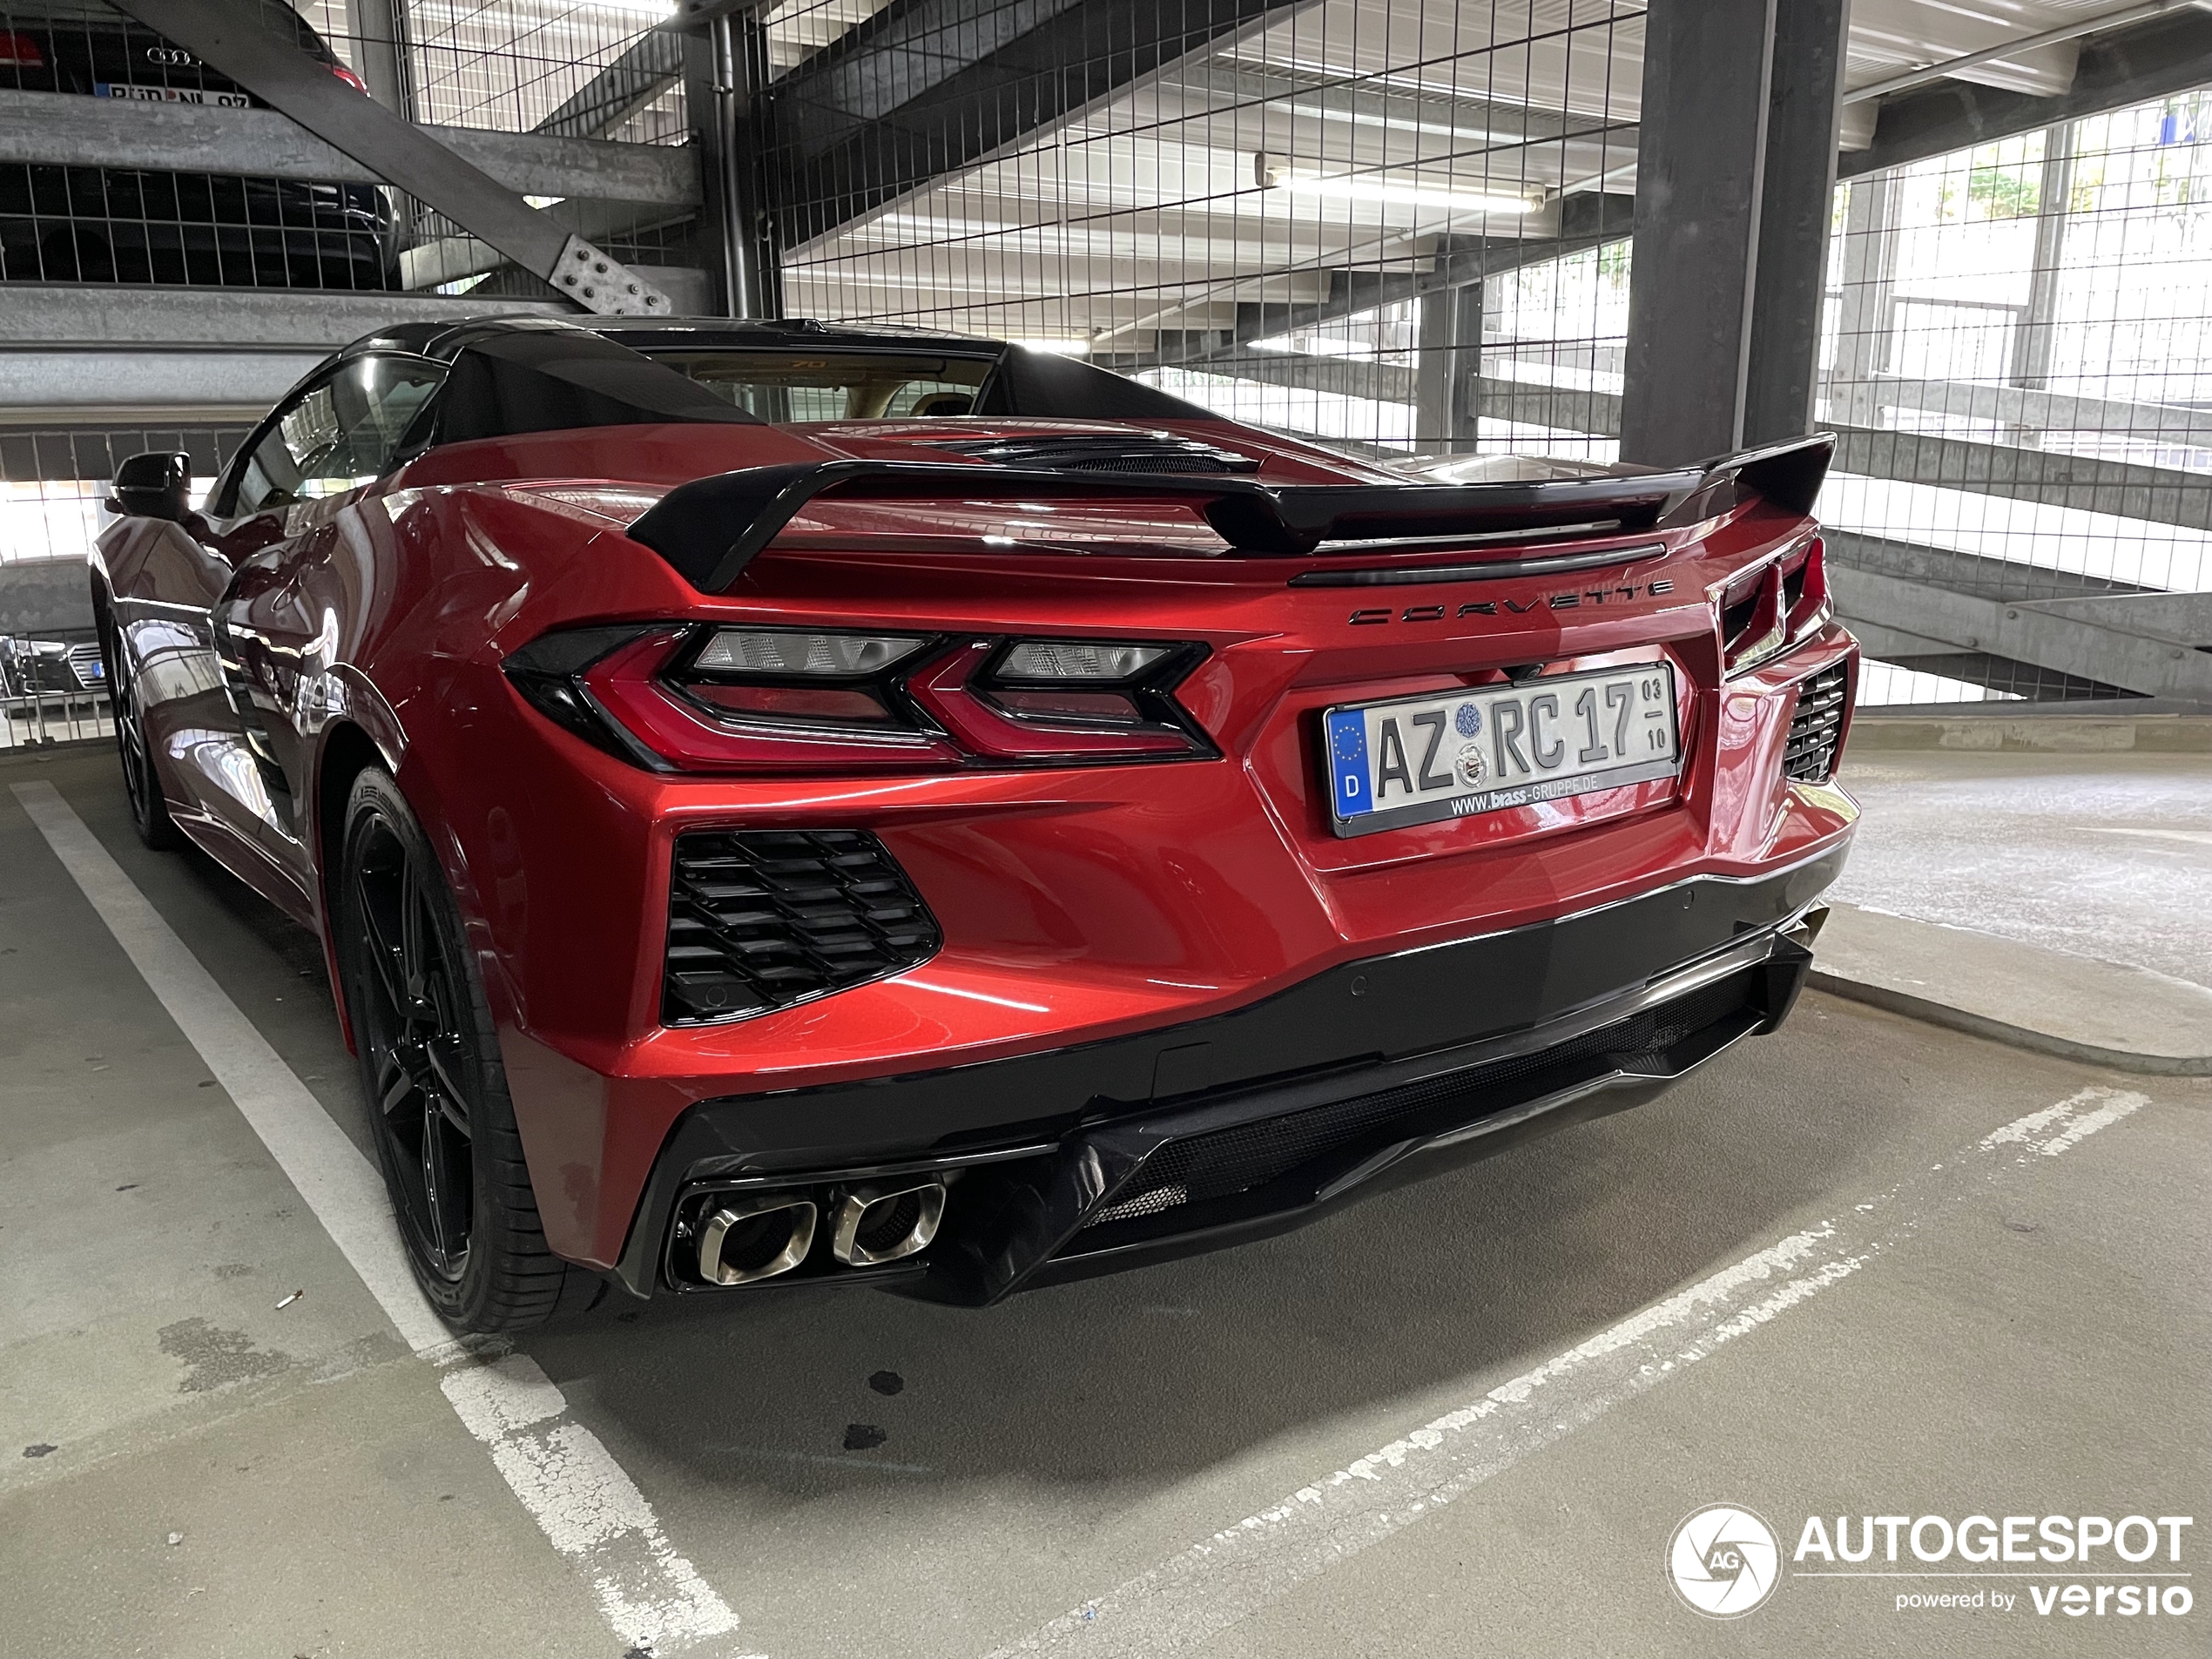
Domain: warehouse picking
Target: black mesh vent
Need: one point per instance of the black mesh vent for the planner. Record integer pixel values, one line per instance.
(1115, 452)
(760, 918)
(1237, 1160)
(1811, 758)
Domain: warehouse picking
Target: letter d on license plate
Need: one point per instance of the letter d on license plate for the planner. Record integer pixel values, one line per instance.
(1416, 760)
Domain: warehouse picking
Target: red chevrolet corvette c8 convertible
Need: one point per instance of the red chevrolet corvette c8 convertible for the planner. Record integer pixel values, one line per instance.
(787, 805)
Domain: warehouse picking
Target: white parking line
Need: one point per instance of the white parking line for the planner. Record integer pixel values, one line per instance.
(1241, 1569)
(580, 1497)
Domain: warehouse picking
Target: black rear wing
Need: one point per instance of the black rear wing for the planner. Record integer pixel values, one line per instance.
(711, 529)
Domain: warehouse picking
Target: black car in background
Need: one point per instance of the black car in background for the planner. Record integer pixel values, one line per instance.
(112, 225)
(66, 660)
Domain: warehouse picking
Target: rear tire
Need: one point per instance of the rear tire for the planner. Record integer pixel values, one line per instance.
(443, 1122)
(141, 782)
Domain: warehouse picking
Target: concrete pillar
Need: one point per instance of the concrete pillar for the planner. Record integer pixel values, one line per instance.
(380, 32)
(1797, 205)
(1735, 174)
(1448, 362)
(1866, 316)
(2031, 364)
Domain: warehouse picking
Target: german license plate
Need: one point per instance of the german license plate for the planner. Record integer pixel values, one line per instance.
(1417, 760)
(131, 93)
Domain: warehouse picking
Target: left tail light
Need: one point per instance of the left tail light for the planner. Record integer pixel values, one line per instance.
(684, 697)
(1767, 611)
(350, 79)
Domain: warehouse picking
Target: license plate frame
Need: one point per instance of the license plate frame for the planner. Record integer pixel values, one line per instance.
(1352, 746)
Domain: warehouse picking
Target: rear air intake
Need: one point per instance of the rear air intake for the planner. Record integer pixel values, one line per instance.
(1819, 722)
(762, 919)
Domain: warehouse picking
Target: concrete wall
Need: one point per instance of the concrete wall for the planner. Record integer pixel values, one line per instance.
(40, 595)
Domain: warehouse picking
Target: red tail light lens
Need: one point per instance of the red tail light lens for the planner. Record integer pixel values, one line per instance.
(350, 79)
(687, 698)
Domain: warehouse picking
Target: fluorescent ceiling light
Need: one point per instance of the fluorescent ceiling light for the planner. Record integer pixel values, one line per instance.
(1064, 348)
(1372, 187)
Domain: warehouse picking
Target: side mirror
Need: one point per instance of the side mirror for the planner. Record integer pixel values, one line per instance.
(154, 486)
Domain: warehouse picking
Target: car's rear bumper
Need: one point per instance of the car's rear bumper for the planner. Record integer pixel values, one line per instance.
(1090, 1158)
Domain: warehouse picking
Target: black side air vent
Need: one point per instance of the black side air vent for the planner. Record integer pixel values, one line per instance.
(1814, 728)
(761, 919)
(1105, 452)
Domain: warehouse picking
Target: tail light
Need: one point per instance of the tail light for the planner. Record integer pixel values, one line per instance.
(1765, 611)
(676, 697)
(350, 79)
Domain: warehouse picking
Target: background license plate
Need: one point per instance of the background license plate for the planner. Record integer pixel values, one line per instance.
(1416, 760)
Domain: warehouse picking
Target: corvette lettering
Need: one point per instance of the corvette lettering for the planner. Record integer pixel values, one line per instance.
(1620, 594)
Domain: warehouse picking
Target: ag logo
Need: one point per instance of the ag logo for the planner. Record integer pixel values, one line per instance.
(1723, 1561)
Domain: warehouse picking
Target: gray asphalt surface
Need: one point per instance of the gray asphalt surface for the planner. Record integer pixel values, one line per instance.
(2017, 1331)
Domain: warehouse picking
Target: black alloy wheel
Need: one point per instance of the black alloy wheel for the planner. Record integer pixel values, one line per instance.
(436, 1092)
(419, 1049)
(141, 785)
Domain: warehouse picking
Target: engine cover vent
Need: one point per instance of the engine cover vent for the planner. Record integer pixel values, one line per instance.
(1105, 452)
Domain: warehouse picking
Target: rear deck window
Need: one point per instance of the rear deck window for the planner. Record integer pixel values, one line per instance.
(834, 386)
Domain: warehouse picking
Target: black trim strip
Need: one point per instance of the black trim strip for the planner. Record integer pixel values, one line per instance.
(1493, 570)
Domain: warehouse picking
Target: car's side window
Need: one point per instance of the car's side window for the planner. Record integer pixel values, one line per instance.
(338, 434)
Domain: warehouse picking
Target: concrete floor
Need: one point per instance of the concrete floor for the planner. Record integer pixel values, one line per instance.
(2103, 855)
(1803, 1282)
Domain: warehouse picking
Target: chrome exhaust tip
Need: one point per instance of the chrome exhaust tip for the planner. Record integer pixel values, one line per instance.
(883, 1223)
(756, 1236)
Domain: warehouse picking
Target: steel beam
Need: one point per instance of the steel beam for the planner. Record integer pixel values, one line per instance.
(2155, 494)
(926, 87)
(229, 34)
(2169, 54)
(80, 353)
(619, 91)
(62, 130)
(2035, 411)
(2177, 618)
(1587, 221)
(2067, 644)
(1973, 573)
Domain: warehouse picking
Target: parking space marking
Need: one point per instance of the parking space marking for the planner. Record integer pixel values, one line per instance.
(1243, 1569)
(582, 1499)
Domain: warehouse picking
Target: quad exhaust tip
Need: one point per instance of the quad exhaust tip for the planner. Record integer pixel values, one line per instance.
(882, 1224)
(756, 1237)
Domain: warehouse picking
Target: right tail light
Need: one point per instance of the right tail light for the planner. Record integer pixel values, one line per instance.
(1766, 610)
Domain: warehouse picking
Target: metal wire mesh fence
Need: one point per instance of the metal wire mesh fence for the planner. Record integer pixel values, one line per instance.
(1307, 221)
(1403, 230)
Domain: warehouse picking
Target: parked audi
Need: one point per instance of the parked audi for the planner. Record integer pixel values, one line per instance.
(791, 805)
(63, 224)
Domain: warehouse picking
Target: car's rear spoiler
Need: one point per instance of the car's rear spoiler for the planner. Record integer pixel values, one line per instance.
(710, 529)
